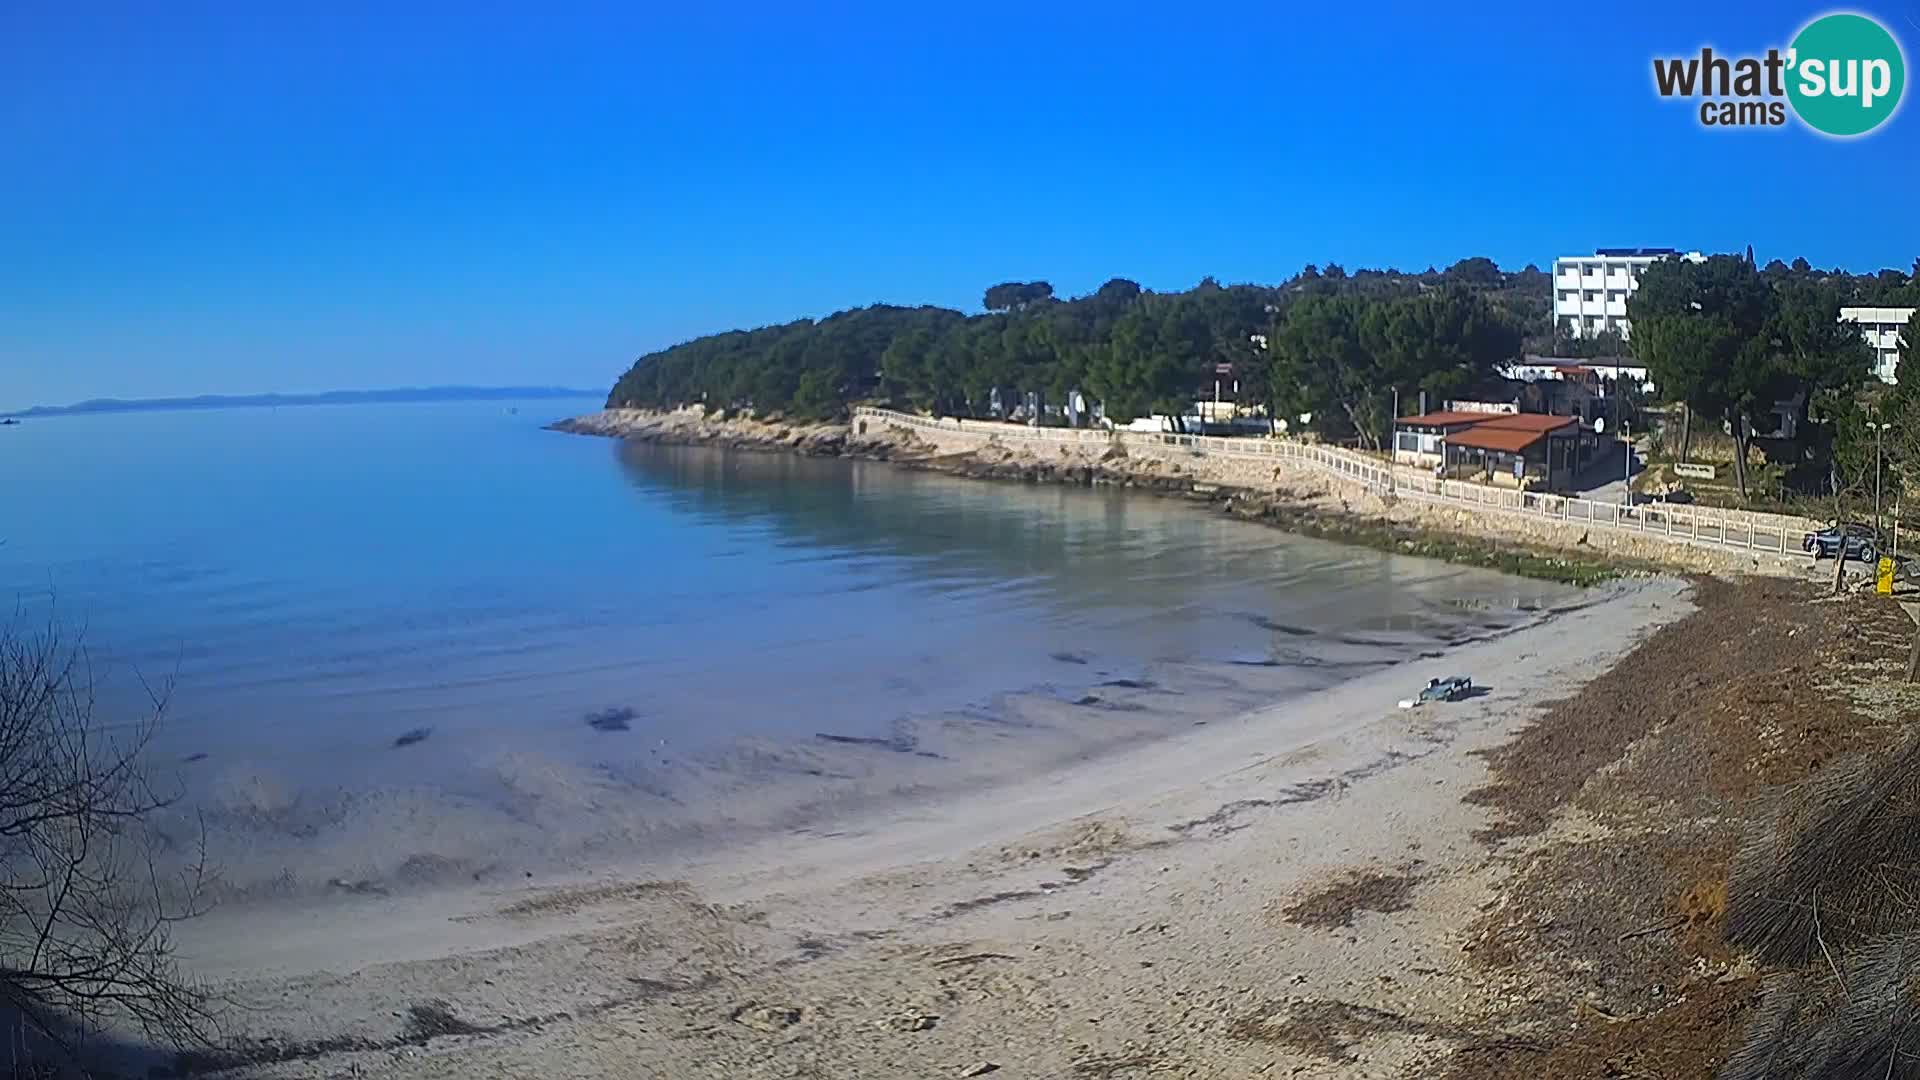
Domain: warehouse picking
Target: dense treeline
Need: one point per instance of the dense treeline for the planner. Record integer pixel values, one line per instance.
(1134, 351)
(1341, 358)
(1326, 343)
(1743, 346)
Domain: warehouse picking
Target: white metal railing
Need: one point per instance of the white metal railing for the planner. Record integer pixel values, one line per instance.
(1680, 525)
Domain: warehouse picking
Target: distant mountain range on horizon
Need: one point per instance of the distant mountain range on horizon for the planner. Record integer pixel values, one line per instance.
(329, 397)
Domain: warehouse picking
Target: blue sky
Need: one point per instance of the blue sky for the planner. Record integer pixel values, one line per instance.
(206, 198)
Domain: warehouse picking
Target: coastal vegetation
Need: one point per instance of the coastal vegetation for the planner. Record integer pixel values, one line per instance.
(1761, 351)
(1339, 341)
(1326, 351)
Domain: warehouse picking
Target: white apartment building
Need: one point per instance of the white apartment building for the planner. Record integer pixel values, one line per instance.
(1590, 291)
(1882, 327)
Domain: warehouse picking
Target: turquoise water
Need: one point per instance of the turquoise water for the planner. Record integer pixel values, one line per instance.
(314, 583)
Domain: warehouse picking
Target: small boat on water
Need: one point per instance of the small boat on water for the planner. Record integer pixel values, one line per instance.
(9, 422)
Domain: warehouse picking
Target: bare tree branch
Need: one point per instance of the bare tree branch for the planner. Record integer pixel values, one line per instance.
(85, 912)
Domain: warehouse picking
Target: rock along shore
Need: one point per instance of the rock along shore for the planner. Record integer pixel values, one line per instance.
(1278, 493)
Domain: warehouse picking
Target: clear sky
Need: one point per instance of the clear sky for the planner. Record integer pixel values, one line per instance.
(205, 198)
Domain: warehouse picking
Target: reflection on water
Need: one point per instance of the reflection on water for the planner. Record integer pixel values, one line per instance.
(1073, 557)
(317, 582)
(358, 572)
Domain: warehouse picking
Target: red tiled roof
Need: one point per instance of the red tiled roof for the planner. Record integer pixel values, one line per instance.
(1535, 422)
(1529, 422)
(1487, 437)
(1446, 418)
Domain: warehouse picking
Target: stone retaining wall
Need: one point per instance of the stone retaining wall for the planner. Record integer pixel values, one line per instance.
(1294, 478)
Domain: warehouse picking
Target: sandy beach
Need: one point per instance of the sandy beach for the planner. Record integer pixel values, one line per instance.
(1208, 904)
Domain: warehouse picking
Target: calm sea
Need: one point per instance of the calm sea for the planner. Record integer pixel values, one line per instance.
(313, 584)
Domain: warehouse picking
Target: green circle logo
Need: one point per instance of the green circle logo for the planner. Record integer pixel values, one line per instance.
(1846, 74)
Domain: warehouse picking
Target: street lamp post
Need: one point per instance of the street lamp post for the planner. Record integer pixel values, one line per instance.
(1879, 432)
(1626, 471)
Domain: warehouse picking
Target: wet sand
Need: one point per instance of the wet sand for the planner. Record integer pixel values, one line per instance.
(1188, 905)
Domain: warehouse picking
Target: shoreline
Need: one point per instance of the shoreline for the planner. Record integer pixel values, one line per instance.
(1066, 686)
(1290, 500)
(1531, 882)
(755, 792)
(789, 950)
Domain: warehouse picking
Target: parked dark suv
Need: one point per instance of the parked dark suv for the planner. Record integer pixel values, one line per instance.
(1856, 539)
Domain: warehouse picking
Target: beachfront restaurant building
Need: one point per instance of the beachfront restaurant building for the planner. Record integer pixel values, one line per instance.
(1421, 440)
(1523, 450)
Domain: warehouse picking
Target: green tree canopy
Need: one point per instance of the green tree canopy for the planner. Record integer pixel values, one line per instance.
(1342, 358)
(1733, 343)
(1478, 271)
(1324, 365)
(1014, 295)
(1335, 344)
(1118, 291)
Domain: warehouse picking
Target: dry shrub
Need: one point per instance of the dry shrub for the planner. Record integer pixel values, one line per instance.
(1835, 863)
(1783, 1035)
(1828, 1023)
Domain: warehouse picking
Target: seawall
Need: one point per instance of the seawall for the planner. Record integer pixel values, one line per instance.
(1319, 491)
